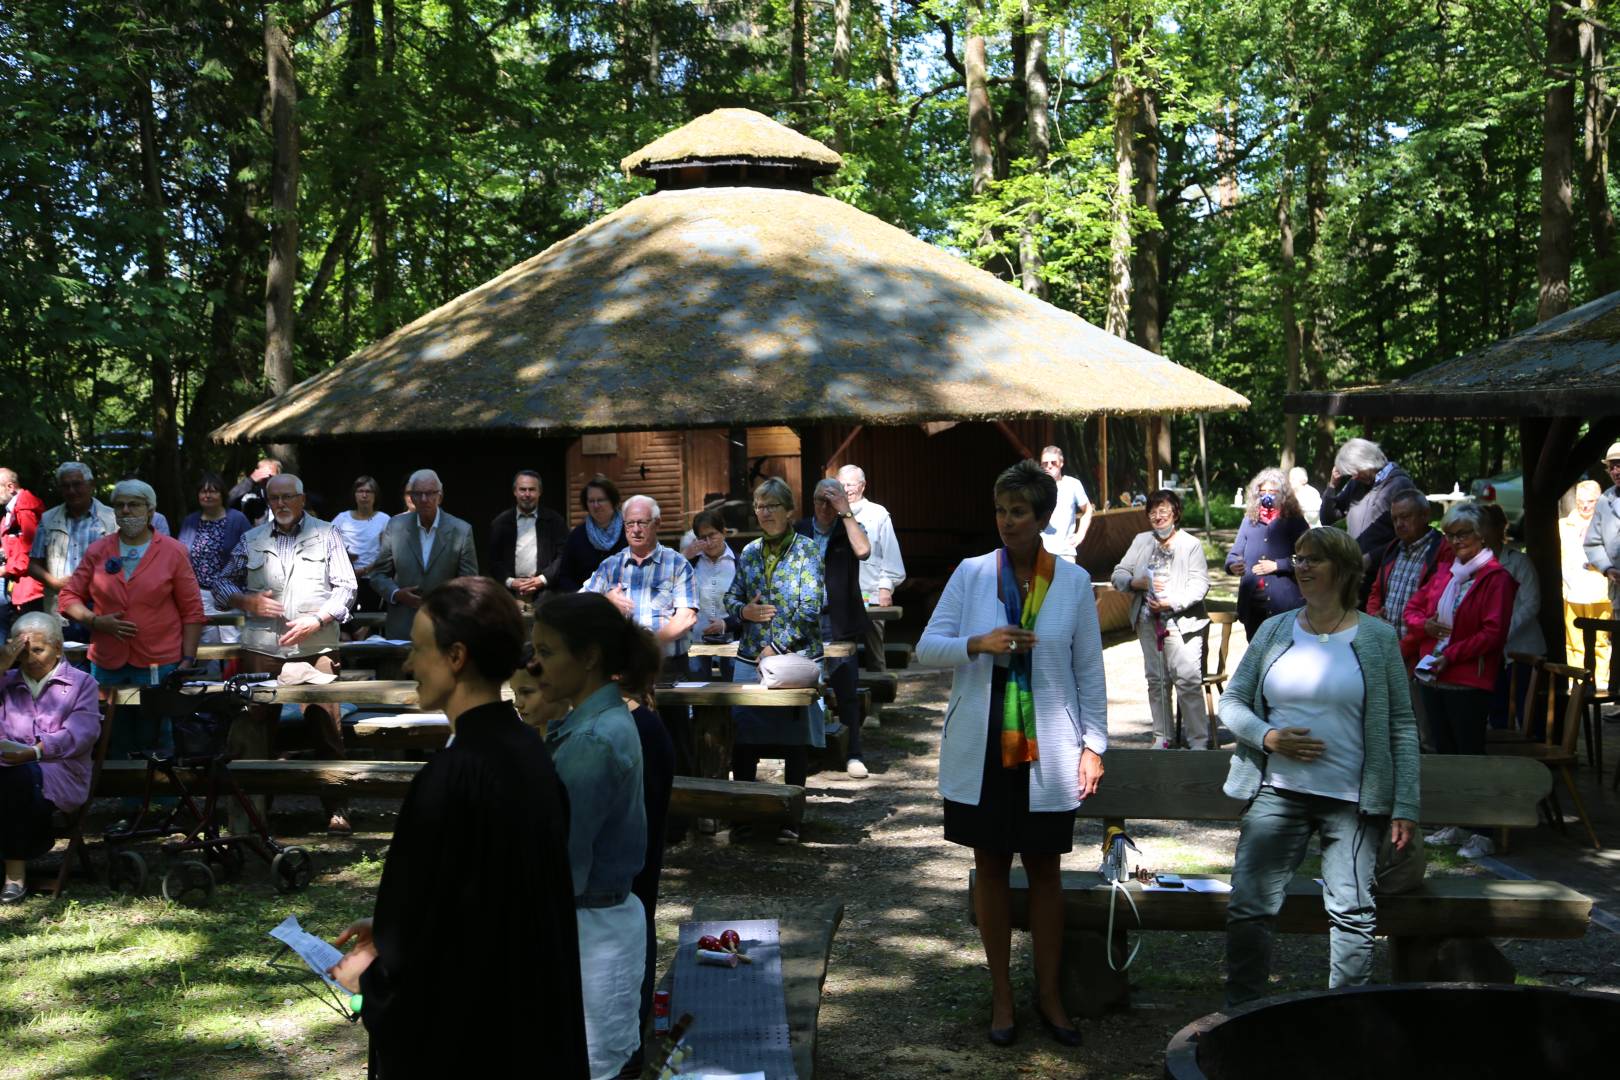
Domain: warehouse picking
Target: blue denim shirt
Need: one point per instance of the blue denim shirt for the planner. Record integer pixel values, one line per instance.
(598, 756)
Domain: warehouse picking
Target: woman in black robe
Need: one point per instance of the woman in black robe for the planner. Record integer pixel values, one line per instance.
(471, 957)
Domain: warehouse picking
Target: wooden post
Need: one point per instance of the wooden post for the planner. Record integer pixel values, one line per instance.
(1102, 458)
(1203, 473)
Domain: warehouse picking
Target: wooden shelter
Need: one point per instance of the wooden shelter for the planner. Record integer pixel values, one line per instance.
(736, 310)
(1560, 380)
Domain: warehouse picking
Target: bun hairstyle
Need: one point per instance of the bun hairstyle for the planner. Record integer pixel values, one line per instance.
(483, 617)
(630, 653)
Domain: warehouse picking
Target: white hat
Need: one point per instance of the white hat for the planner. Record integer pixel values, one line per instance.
(1614, 452)
(298, 672)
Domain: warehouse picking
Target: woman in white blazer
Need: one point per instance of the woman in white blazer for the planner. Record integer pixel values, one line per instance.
(1025, 729)
(1166, 576)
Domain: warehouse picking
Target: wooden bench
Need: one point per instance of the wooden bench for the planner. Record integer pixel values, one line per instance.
(805, 932)
(883, 684)
(691, 796)
(1437, 932)
(897, 654)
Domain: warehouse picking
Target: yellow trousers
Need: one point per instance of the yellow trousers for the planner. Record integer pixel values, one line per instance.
(1574, 639)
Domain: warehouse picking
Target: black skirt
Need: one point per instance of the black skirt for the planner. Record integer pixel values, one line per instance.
(1003, 821)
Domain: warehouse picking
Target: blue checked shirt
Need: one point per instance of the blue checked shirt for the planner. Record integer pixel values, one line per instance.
(658, 586)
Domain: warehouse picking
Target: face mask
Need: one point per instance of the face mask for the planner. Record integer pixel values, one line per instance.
(131, 526)
(1268, 500)
(1163, 532)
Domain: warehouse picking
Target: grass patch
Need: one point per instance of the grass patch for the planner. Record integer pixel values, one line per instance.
(102, 985)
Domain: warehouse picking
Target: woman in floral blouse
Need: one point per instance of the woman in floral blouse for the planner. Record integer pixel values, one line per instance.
(777, 593)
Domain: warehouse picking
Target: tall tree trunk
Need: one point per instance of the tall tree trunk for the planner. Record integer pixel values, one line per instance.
(887, 62)
(1124, 103)
(379, 226)
(1145, 298)
(1226, 183)
(981, 117)
(281, 276)
(1289, 312)
(1598, 111)
(840, 70)
(1557, 161)
(1313, 334)
(796, 53)
(165, 423)
(1037, 98)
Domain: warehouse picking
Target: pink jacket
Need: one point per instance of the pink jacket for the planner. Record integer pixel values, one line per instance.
(159, 598)
(65, 719)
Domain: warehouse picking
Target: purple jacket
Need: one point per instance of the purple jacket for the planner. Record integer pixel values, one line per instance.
(66, 718)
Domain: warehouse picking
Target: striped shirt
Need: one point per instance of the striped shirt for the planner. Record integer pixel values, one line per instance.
(658, 586)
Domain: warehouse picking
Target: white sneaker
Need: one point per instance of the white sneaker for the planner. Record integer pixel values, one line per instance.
(856, 769)
(1478, 847)
(1161, 744)
(872, 722)
(1451, 834)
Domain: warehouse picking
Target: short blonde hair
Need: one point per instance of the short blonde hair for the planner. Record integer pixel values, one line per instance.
(1342, 554)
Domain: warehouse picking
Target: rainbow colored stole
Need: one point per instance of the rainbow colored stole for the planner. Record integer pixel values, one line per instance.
(1018, 707)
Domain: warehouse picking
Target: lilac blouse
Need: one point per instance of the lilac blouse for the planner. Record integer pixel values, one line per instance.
(66, 718)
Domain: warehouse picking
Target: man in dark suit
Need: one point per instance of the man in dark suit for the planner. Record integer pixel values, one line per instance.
(420, 551)
(526, 541)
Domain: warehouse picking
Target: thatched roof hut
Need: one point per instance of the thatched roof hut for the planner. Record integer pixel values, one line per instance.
(1566, 366)
(701, 306)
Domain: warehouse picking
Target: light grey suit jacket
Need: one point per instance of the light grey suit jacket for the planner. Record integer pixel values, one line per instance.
(399, 564)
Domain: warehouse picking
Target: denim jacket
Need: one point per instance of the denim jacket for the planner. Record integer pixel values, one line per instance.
(598, 756)
(797, 592)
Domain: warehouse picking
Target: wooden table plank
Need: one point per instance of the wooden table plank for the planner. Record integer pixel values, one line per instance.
(729, 648)
(884, 614)
(1185, 785)
(1450, 907)
(725, 693)
(691, 796)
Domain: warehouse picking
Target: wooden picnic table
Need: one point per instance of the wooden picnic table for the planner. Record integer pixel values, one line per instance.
(218, 651)
(729, 648)
(711, 704)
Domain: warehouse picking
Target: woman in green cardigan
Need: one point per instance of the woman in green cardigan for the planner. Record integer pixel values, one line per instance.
(1326, 744)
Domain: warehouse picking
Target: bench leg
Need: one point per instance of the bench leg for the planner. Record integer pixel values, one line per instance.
(1443, 959)
(1089, 986)
(712, 734)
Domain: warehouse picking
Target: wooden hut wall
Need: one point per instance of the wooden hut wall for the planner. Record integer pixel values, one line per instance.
(476, 474)
(680, 469)
(937, 487)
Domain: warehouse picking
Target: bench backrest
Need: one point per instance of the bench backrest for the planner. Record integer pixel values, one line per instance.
(1167, 785)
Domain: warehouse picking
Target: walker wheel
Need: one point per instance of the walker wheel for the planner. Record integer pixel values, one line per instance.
(126, 873)
(190, 883)
(227, 860)
(292, 869)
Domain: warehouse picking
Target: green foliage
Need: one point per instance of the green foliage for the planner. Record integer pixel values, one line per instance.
(443, 142)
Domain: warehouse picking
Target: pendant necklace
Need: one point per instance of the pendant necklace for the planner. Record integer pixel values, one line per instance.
(1321, 637)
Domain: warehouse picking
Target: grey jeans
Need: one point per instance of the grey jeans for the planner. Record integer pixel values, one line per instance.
(1275, 835)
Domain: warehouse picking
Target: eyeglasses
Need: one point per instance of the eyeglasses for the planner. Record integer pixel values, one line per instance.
(637, 525)
(284, 498)
(420, 495)
(1308, 561)
(1460, 534)
(709, 538)
(768, 508)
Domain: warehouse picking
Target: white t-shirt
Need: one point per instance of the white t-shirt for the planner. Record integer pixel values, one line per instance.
(1071, 496)
(361, 539)
(1319, 687)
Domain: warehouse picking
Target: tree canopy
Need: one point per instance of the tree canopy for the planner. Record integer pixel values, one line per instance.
(203, 202)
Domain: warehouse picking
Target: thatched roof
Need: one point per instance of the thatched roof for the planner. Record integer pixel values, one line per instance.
(732, 136)
(1566, 366)
(713, 306)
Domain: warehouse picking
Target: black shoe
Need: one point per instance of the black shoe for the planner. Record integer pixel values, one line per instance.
(1063, 1036)
(741, 830)
(1004, 1036)
(13, 892)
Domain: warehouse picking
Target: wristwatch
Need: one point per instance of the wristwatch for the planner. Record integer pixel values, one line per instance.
(847, 514)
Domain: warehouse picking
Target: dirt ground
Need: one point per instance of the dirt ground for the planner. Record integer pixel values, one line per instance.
(907, 992)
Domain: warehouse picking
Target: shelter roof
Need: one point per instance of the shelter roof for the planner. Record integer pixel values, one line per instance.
(1568, 365)
(713, 306)
(732, 136)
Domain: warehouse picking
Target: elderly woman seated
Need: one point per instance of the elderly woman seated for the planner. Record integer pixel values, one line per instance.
(50, 723)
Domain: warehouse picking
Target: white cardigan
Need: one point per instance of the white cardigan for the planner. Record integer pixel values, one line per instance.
(1071, 701)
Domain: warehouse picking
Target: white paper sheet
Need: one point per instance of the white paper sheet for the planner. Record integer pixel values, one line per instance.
(321, 956)
(1208, 885)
